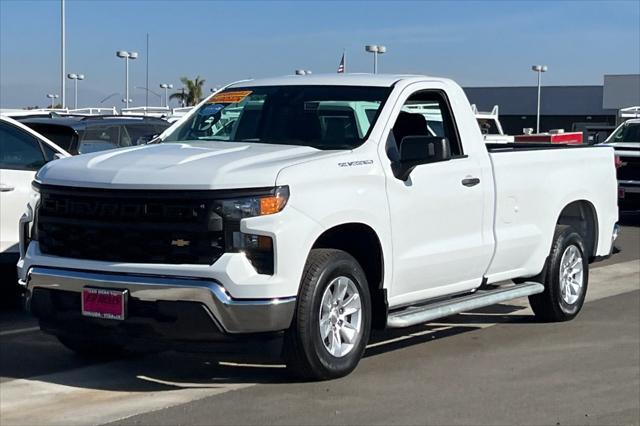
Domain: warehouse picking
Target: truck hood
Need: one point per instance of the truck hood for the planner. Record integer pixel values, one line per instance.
(203, 165)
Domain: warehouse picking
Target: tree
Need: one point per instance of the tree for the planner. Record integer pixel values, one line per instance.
(191, 93)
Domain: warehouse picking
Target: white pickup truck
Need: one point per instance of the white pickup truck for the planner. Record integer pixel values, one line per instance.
(317, 208)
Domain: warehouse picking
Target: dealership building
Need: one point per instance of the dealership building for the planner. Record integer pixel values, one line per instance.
(562, 107)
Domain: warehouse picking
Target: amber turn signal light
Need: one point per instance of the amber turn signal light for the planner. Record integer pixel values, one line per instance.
(274, 203)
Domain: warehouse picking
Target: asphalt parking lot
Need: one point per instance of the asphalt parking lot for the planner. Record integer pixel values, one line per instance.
(492, 366)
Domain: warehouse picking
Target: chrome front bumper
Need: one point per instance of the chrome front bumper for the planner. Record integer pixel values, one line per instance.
(232, 316)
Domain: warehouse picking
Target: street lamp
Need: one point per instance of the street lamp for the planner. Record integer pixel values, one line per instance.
(108, 97)
(150, 91)
(166, 88)
(126, 56)
(376, 49)
(75, 78)
(539, 69)
(52, 97)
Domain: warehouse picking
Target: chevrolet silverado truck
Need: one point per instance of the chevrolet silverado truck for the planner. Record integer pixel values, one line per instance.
(313, 208)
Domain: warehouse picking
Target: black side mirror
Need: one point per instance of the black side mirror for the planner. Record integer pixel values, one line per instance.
(417, 150)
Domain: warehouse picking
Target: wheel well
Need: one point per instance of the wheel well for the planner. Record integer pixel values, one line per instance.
(362, 242)
(582, 217)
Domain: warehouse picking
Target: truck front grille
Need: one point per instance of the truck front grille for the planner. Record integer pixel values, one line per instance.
(137, 226)
(630, 169)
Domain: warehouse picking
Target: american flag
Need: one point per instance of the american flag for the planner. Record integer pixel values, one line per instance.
(341, 67)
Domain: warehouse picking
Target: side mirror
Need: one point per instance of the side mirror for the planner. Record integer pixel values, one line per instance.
(417, 150)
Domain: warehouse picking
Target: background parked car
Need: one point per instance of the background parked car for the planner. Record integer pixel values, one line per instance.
(85, 134)
(22, 153)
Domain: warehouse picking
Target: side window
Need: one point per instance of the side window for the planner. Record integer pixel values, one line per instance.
(19, 150)
(425, 113)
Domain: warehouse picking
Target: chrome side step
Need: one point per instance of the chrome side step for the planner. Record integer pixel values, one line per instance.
(420, 314)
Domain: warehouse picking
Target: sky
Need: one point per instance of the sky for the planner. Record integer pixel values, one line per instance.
(477, 43)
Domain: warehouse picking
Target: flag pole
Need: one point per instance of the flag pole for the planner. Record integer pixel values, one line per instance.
(344, 55)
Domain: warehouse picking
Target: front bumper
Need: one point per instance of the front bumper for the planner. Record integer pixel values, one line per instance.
(225, 315)
(629, 195)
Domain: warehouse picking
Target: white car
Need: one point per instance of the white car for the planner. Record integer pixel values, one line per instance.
(22, 153)
(316, 208)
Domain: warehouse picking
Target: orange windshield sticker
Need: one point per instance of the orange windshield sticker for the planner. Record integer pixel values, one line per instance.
(229, 97)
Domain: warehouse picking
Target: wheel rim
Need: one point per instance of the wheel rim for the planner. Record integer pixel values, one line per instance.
(340, 317)
(571, 275)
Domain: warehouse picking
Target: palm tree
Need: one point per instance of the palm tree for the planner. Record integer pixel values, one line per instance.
(191, 93)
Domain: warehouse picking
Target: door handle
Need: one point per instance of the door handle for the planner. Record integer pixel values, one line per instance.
(6, 188)
(470, 181)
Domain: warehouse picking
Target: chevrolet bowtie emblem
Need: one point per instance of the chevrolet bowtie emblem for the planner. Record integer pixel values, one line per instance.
(180, 243)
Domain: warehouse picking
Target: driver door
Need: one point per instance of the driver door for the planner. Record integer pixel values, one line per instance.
(437, 214)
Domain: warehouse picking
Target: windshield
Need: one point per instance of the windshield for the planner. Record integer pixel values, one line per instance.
(323, 117)
(628, 132)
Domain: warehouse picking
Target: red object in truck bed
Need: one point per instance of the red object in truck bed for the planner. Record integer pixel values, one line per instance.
(569, 138)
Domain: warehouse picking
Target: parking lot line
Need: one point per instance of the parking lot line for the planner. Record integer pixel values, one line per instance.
(19, 331)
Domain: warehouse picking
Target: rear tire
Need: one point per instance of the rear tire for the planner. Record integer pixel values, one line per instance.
(332, 322)
(90, 349)
(565, 277)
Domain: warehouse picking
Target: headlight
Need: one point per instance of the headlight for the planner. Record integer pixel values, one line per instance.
(27, 231)
(240, 208)
(257, 248)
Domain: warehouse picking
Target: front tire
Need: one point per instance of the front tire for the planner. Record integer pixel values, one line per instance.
(331, 326)
(565, 277)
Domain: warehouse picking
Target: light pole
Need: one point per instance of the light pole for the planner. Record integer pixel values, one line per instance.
(539, 69)
(75, 78)
(52, 97)
(63, 88)
(376, 49)
(108, 97)
(166, 88)
(126, 56)
(150, 91)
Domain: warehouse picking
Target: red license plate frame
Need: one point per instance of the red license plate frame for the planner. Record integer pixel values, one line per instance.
(104, 303)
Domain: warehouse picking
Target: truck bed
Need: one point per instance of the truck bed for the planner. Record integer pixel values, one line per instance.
(511, 147)
(526, 184)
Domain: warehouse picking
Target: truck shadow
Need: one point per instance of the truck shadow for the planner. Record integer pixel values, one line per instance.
(38, 357)
(630, 219)
(388, 340)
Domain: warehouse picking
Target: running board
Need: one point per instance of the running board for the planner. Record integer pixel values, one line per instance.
(420, 314)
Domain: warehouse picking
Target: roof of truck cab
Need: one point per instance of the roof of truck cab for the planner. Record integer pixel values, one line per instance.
(379, 80)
